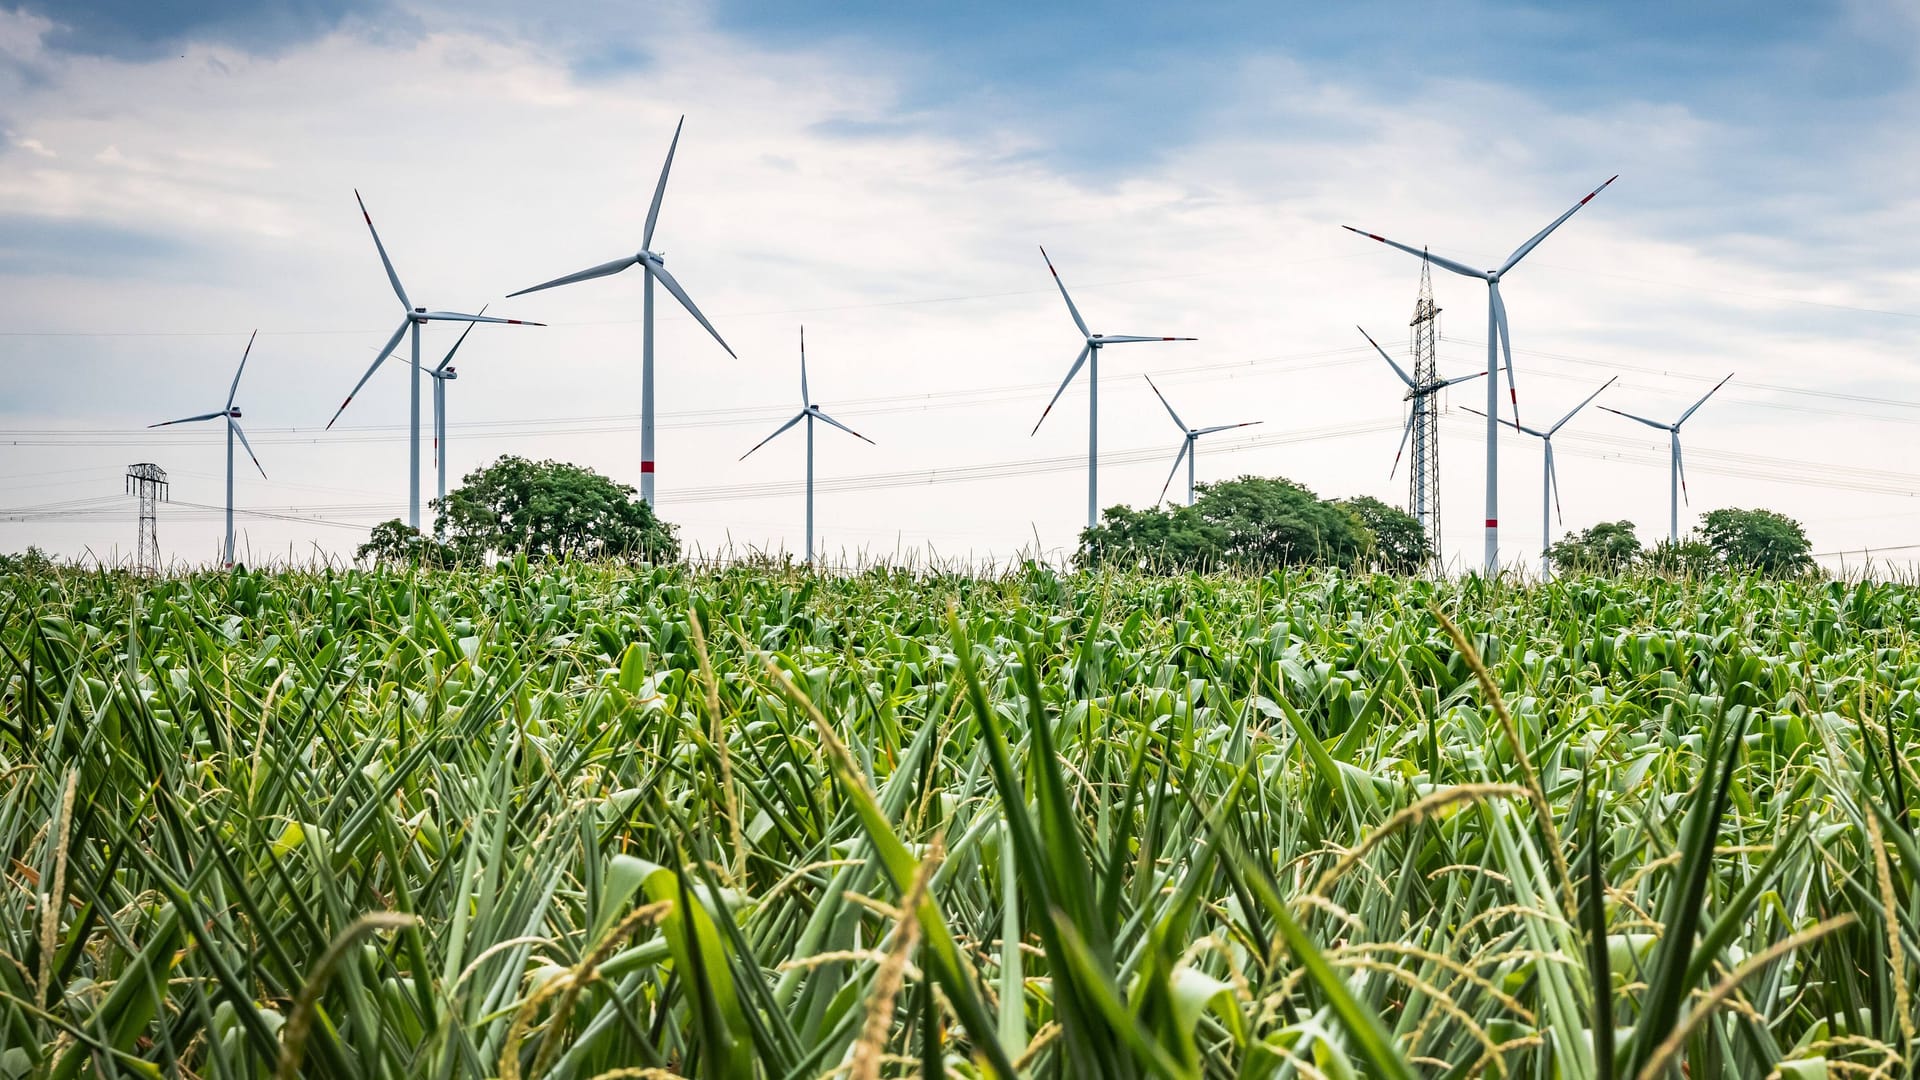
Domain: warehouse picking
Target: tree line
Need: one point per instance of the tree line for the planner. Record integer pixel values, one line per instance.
(552, 509)
(1260, 523)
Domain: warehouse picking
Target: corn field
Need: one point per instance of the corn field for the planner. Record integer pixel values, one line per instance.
(583, 821)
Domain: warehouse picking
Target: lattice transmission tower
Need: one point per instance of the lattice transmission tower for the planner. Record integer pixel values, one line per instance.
(1424, 477)
(149, 482)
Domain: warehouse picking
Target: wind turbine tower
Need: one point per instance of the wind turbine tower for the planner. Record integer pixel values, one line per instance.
(1424, 479)
(149, 482)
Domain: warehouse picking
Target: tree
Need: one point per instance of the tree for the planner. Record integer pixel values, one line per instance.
(1759, 540)
(1399, 540)
(1691, 557)
(1178, 539)
(1275, 522)
(550, 509)
(1253, 523)
(398, 542)
(1606, 548)
(28, 563)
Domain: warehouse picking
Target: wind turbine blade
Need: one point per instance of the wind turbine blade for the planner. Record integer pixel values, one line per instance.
(382, 249)
(660, 189)
(843, 427)
(190, 419)
(1405, 434)
(1123, 339)
(460, 342)
(1553, 482)
(1444, 383)
(805, 398)
(456, 316)
(1071, 372)
(686, 301)
(1680, 462)
(1507, 423)
(776, 434)
(235, 388)
(1521, 251)
(243, 442)
(378, 359)
(1404, 377)
(1703, 400)
(588, 274)
(1227, 427)
(1443, 263)
(1642, 419)
(1186, 444)
(1506, 349)
(1582, 405)
(1071, 310)
(1182, 424)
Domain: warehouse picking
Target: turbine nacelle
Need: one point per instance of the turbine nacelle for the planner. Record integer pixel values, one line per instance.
(234, 412)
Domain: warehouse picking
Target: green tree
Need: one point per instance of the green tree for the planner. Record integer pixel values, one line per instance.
(1156, 538)
(28, 563)
(1254, 523)
(1691, 557)
(1759, 540)
(396, 541)
(1606, 548)
(1272, 522)
(550, 509)
(1399, 540)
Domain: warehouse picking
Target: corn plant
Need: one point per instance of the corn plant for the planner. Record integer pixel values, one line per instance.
(594, 821)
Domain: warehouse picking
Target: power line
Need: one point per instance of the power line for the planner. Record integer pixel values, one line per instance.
(1007, 294)
(1595, 446)
(679, 317)
(927, 401)
(1866, 551)
(1670, 373)
(83, 509)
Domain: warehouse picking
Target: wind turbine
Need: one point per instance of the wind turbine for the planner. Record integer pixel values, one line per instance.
(1188, 448)
(1090, 357)
(654, 263)
(808, 412)
(1677, 480)
(1549, 479)
(415, 318)
(443, 375)
(1417, 393)
(1498, 339)
(231, 414)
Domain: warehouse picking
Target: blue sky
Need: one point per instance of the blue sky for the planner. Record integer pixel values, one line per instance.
(178, 174)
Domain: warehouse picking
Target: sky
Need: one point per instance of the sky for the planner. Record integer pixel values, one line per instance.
(176, 177)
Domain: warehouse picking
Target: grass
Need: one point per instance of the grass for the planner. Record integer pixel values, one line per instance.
(582, 821)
